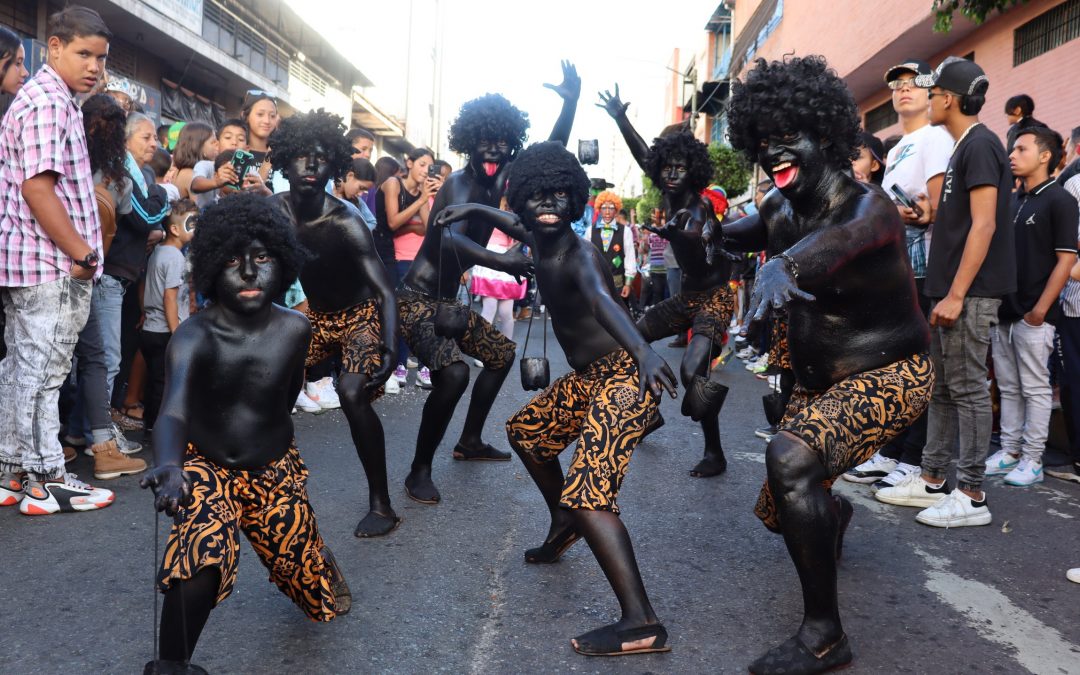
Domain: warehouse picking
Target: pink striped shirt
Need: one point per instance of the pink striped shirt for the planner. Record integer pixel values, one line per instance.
(43, 131)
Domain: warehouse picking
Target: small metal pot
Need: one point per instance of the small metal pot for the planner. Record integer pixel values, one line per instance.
(703, 398)
(451, 320)
(535, 373)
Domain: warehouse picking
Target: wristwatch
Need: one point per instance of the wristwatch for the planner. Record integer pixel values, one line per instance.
(90, 262)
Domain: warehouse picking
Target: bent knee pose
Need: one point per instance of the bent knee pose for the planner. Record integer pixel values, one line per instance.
(224, 455)
(856, 336)
(352, 309)
(679, 165)
(490, 132)
(605, 405)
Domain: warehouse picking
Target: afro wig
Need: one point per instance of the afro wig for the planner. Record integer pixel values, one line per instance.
(797, 94)
(227, 227)
(298, 134)
(607, 197)
(547, 166)
(488, 118)
(699, 168)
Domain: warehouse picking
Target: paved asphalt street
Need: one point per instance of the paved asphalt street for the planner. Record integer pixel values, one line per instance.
(448, 592)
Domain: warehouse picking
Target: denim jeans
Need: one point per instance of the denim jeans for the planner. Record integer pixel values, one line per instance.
(43, 325)
(91, 409)
(1068, 329)
(1021, 366)
(674, 281)
(108, 301)
(960, 415)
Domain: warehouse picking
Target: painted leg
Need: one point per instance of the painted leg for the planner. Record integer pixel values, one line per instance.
(370, 442)
(695, 362)
(471, 446)
(548, 477)
(184, 613)
(448, 386)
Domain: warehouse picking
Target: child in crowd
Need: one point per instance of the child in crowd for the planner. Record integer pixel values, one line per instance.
(166, 300)
(214, 175)
(162, 165)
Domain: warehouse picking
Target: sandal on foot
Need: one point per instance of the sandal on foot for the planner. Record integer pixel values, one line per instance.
(846, 511)
(126, 422)
(550, 551)
(340, 589)
(423, 494)
(795, 657)
(709, 467)
(607, 641)
(166, 667)
(376, 525)
(485, 453)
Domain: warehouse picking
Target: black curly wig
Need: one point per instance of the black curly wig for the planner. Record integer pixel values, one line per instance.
(297, 134)
(488, 118)
(547, 166)
(699, 168)
(228, 226)
(797, 94)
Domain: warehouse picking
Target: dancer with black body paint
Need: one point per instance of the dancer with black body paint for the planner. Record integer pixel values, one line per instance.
(490, 132)
(225, 458)
(857, 338)
(606, 404)
(679, 166)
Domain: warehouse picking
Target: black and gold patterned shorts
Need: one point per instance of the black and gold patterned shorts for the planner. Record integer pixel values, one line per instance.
(851, 420)
(481, 340)
(270, 506)
(779, 354)
(599, 408)
(708, 313)
(355, 333)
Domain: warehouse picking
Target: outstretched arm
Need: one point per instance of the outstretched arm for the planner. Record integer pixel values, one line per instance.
(745, 234)
(617, 109)
(505, 221)
(569, 90)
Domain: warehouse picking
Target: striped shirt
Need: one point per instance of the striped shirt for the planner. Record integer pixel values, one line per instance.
(1070, 295)
(43, 131)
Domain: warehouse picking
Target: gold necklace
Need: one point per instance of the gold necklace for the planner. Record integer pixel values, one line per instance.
(964, 135)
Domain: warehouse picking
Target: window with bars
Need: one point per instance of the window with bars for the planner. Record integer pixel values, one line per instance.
(21, 15)
(881, 117)
(122, 58)
(221, 29)
(1050, 29)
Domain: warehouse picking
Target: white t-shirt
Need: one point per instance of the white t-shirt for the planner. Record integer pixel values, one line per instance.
(918, 157)
(204, 169)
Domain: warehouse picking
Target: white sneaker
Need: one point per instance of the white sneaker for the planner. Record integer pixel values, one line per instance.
(761, 365)
(955, 510)
(1001, 463)
(304, 402)
(401, 374)
(745, 353)
(322, 392)
(1027, 472)
(392, 386)
(478, 363)
(912, 491)
(66, 494)
(1073, 575)
(423, 378)
(898, 474)
(753, 363)
(875, 468)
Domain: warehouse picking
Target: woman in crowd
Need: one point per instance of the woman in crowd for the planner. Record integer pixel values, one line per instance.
(12, 71)
(197, 142)
(359, 180)
(498, 290)
(260, 113)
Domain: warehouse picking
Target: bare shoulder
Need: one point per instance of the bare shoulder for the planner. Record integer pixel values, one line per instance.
(290, 320)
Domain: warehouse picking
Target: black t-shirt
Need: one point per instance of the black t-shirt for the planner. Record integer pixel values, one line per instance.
(1045, 222)
(979, 160)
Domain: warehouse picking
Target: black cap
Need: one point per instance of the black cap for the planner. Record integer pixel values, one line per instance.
(960, 76)
(908, 66)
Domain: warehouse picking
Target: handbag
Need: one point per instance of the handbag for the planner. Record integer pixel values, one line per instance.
(535, 370)
(451, 317)
(705, 395)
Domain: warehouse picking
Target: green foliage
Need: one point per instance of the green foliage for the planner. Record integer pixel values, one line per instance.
(976, 10)
(649, 199)
(731, 171)
(630, 203)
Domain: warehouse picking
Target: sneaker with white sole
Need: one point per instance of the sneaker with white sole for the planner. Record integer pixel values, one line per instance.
(322, 392)
(423, 378)
(66, 494)
(109, 463)
(955, 510)
(12, 488)
(391, 386)
(1073, 575)
(1027, 472)
(898, 474)
(873, 469)
(912, 491)
(401, 374)
(765, 433)
(762, 365)
(1001, 463)
(304, 402)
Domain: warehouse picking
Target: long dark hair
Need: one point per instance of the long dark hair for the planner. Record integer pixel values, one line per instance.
(189, 144)
(104, 120)
(385, 167)
(9, 48)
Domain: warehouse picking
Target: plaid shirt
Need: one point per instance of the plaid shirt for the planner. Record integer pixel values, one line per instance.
(43, 131)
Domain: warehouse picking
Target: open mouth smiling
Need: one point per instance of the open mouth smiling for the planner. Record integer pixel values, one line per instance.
(784, 174)
(548, 218)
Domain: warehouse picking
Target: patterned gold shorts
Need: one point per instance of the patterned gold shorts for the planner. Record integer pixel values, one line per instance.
(708, 313)
(599, 408)
(848, 422)
(355, 333)
(481, 340)
(270, 506)
(779, 354)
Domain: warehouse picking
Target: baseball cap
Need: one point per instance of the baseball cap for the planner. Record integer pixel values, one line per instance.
(908, 66)
(960, 76)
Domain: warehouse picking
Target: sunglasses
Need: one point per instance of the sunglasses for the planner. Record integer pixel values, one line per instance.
(252, 96)
(898, 84)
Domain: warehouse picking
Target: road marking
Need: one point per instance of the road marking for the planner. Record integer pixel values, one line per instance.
(860, 496)
(484, 646)
(758, 457)
(1037, 646)
(1059, 514)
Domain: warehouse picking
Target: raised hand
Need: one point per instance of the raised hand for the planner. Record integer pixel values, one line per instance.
(774, 288)
(570, 87)
(171, 487)
(612, 103)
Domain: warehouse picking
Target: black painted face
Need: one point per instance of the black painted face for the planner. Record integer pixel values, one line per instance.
(793, 160)
(250, 280)
(309, 171)
(673, 175)
(547, 212)
(489, 156)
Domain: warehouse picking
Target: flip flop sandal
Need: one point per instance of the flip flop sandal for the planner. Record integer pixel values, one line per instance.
(550, 551)
(795, 657)
(360, 534)
(485, 453)
(434, 500)
(607, 641)
(338, 586)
